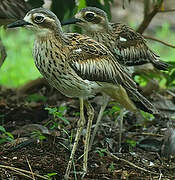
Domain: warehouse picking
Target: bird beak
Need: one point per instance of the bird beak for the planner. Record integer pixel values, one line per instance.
(71, 21)
(19, 23)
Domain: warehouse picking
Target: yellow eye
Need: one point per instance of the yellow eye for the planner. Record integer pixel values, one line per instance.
(39, 19)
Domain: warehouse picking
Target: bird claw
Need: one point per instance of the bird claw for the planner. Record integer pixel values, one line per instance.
(83, 173)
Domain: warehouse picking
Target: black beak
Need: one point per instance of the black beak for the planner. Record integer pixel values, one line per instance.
(70, 21)
(18, 23)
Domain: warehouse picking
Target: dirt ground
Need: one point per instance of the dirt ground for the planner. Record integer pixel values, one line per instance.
(42, 143)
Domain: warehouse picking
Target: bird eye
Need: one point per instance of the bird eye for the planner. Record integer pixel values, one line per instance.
(39, 19)
(89, 16)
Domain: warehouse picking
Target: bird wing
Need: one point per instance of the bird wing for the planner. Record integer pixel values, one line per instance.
(131, 46)
(14, 9)
(93, 61)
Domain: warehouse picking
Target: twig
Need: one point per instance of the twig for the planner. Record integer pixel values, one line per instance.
(160, 41)
(147, 19)
(166, 10)
(130, 163)
(30, 168)
(170, 92)
(22, 174)
(22, 170)
(148, 134)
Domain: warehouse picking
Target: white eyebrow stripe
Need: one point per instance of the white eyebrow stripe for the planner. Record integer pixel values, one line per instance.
(27, 18)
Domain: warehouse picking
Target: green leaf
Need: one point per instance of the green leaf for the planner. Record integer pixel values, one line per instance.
(131, 143)
(36, 98)
(3, 140)
(2, 129)
(42, 137)
(51, 174)
(51, 110)
(65, 120)
(9, 135)
(81, 4)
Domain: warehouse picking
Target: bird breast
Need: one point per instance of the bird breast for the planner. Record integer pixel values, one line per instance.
(51, 62)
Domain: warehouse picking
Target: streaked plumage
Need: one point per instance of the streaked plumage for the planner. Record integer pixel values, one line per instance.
(128, 46)
(78, 66)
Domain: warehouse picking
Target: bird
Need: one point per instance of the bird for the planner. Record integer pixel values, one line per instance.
(128, 46)
(78, 67)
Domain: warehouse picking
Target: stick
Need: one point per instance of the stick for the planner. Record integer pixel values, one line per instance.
(22, 170)
(160, 41)
(130, 163)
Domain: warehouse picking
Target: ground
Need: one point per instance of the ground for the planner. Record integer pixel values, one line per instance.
(42, 141)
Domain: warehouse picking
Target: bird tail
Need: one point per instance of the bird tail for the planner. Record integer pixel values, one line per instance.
(140, 101)
(161, 65)
(157, 62)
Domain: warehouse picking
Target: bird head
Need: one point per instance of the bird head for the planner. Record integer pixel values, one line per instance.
(40, 20)
(91, 19)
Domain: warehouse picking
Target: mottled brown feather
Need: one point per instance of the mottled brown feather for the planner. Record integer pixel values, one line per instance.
(128, 46)
(94, 62)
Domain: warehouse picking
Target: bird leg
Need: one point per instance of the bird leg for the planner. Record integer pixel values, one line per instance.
(120, 127)
(103, 107)
(90, 112)
(80, 124)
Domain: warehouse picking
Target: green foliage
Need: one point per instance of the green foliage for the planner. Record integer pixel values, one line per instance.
(38, 135)
(5, 136)
(58, 114)
(18, 67)
(147, 116)
(166, 53)
(50, 175)
(165, 34)
(76, 114)
(36, 98)
(111, 167)
(101, 151)
(132, 143)
(81, 4)
(114, 111)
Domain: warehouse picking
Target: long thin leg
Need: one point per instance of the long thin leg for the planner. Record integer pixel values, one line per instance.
(80, 124)
(103, 107)
(120, 126)
(90, 112)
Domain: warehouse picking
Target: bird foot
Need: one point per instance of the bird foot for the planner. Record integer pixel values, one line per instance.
(81, 173)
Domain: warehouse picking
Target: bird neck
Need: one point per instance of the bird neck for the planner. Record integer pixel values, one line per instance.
(53, 35)
(95, 29)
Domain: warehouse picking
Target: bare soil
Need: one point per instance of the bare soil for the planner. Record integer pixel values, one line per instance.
(25, 117)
